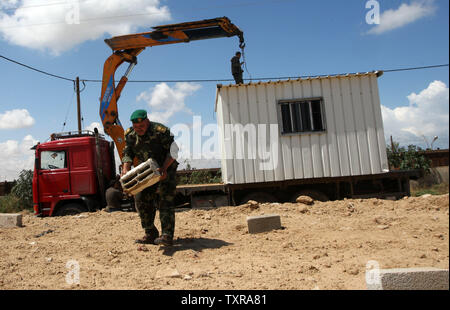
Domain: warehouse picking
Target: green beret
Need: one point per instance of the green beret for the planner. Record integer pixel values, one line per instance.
(138, 114)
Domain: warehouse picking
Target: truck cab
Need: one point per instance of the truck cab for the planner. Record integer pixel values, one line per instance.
(71, 173)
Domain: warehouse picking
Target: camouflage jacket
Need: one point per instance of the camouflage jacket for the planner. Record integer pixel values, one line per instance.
(155, 143)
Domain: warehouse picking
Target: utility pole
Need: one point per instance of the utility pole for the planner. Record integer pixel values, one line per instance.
(77, 86)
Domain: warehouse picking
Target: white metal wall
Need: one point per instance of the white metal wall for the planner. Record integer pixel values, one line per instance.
(353, 143)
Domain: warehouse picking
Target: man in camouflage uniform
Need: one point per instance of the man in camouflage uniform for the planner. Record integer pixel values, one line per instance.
(144, 140)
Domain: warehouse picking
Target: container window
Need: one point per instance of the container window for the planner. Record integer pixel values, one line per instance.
(299, 116)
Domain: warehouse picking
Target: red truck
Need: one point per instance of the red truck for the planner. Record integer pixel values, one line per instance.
(71, 173)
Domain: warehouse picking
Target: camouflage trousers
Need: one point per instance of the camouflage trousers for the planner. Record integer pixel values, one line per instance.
(159, 196)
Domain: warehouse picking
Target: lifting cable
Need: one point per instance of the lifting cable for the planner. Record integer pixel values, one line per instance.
(242, 46)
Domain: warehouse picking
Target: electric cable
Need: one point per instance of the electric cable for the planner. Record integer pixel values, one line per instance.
(68, 108)
(87, 20)
(219, 80)
(37, 70)
(415, 68)
(271, 78)
(34, 6)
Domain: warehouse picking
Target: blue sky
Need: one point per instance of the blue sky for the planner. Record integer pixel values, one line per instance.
(283, 38)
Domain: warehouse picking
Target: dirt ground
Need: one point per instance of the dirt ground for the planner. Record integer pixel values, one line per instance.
(321, 246)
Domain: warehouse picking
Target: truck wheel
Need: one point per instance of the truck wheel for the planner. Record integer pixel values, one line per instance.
(314, 194)
(259, 197)
(70, 209)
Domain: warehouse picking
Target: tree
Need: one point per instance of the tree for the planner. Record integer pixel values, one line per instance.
(24, 189)
(407, 158)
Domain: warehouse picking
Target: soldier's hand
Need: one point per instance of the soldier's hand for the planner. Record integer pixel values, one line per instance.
(125, 168)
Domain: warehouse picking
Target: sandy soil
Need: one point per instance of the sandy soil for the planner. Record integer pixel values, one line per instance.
(323, 246)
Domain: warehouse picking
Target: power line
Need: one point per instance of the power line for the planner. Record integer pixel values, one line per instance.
(88, 20)
(37, 70)
(268, 78)
(33, 6)
(68, 108)
(415, 68)
(195, 8)
(217, 80)
(166, 81)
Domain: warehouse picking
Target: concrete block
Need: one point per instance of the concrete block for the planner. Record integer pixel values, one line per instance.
(407, 279)
(262, 223)
(10, 220)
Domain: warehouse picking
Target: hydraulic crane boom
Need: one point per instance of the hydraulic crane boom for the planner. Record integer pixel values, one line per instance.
(126, 49)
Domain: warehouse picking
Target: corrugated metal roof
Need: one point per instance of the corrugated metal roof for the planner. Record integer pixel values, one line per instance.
(378, 73)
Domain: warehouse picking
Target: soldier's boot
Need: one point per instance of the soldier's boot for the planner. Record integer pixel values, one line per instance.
(149, 237)
(164, 240)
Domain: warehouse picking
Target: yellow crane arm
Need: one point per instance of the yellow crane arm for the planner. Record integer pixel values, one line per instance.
(126, 48)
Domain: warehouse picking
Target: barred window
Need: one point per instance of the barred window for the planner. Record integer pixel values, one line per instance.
(305, 115)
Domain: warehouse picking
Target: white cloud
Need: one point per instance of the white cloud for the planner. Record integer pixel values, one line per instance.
(16, 156)
(8, 4)
(15, 119)
(425, 116)
(59, 26)
(165, 101)
(404, 15)
(97, 125)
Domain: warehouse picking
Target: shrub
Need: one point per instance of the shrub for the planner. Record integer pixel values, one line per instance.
(407, 158)
(436, 189)
(21, 196)
(10, 204)
(200, 177)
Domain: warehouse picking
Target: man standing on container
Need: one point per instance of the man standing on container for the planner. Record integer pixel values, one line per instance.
(144, 140)
(236, 69)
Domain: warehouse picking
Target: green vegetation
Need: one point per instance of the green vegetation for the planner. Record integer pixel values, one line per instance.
(10, 204)
(21, 196)
(203, 176)
(200, 177)
(407, 158)
(436, 189)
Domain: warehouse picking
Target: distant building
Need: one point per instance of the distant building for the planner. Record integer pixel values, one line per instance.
(439, 158)
(6, 187)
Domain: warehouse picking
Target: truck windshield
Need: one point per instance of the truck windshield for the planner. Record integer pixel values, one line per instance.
(53, 160)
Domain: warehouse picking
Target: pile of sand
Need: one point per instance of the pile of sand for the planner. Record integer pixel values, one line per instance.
(321, 246)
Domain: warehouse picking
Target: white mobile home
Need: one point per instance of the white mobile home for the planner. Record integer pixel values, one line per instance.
(321, 127)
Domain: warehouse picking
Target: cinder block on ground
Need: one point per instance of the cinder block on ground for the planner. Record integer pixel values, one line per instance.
(408, 279)
(10, 220)
(262, 223)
